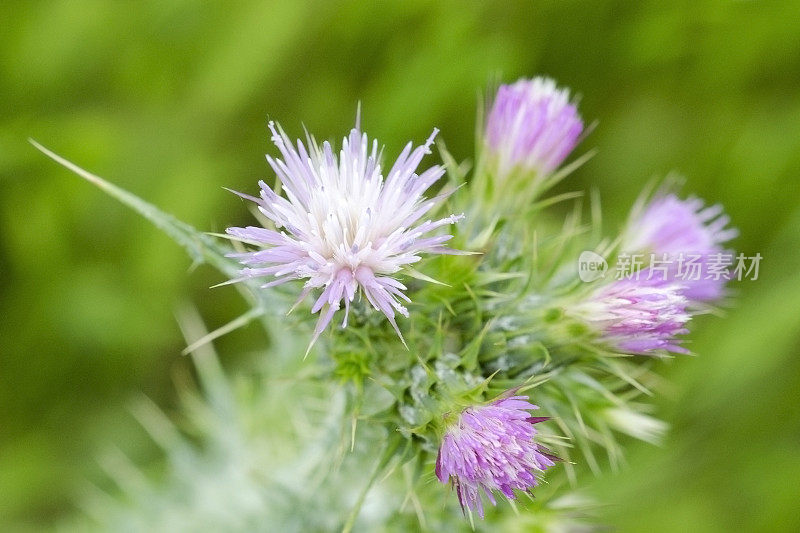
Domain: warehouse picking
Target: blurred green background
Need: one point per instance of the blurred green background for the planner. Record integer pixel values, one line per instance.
(170, 99)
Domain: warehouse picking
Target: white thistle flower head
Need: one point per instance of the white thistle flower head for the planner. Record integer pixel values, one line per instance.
(342, 226)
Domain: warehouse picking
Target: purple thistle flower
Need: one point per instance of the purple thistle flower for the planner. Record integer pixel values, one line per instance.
(638, 316)
(532, 125)
(679, 231)
(342, 226)
(492, 448)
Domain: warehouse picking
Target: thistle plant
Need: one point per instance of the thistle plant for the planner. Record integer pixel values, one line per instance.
(468, 355)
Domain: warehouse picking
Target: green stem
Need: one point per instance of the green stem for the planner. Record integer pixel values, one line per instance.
(389, 451)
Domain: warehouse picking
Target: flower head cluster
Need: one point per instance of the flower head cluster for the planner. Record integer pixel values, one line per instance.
(533, 126)
(492, 448)
(343, 226)
(638, 316)
(679, 229)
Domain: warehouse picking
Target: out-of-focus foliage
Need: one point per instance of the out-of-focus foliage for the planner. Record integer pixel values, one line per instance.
(171, 99)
